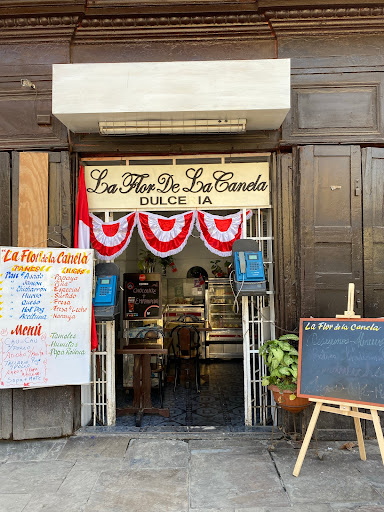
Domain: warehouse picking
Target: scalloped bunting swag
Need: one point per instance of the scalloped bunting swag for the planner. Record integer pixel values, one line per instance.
(110, 239)
(218, 233)
(165, 236)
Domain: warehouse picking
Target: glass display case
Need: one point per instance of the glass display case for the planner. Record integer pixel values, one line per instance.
(225, 339)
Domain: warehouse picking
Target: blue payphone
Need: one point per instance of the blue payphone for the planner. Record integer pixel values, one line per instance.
(249, 276)
(106, 303)
(105, 293)
(249, 266)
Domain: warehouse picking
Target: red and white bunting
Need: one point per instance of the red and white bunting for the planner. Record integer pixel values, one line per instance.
(165, 236)
(218, 233)
(110, 239)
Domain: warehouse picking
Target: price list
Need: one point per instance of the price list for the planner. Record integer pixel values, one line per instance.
(45, 314)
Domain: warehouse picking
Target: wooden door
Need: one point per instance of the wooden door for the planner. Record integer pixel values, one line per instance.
(331, 229)
(373, 226)
(5, 239)
(286, 241)
(41, 182)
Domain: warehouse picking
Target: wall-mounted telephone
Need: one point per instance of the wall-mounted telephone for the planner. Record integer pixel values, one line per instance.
(249, 266)
(105, 293)
(248, 274)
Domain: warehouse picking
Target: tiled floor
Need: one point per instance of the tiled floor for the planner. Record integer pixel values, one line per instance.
(219, 403)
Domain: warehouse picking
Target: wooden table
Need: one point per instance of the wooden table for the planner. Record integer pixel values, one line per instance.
(142, 403)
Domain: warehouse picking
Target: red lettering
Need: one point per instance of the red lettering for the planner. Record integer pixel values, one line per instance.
(27, 330)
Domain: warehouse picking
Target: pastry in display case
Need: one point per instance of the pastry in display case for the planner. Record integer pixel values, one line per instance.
(225, 340)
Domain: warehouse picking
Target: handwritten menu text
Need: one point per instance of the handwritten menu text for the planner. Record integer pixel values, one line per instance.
(45, 311)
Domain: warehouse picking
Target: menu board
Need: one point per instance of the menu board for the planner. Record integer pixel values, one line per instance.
(342, 359)
(142, 296)
(45, 316)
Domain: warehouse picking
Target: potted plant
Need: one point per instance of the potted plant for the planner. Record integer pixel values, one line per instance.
(216, 268)
(147, 262)
(167, 262)
(281, 359)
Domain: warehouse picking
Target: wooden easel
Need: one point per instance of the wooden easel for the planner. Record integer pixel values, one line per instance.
(343, 408)
(351, 298)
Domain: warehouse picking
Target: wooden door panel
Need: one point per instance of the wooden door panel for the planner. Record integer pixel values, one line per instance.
(373, 225)
(44, 412)
(51, 411)
(284, 189)
(5, 413)
(5, 199)
(330, 225)
(5, 239)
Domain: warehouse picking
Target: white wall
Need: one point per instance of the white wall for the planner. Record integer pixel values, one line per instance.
(195, 253)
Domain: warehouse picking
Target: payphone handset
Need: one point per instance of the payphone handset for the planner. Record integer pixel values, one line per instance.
(105, 292)
(249, 266)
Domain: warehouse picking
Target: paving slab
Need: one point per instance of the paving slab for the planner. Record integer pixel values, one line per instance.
(33, 477)
(211, 510)
(235, 444)
(31, 450)
(57, 503)
(358, 508)
(13, 502)
(164, 490)
(149, 453)
(94, 446)
(233, 476)
(292, 508)
(78, 483)
(334, 479)
(98, 464)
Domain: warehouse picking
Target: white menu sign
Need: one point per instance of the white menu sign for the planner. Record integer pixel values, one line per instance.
(45, 316)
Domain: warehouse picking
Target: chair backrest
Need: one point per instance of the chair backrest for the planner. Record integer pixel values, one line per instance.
(151, 335)
(188, 341)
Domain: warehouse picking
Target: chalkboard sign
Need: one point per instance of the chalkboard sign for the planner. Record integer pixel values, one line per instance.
(342, 359)
(142, 296)
(45, 316)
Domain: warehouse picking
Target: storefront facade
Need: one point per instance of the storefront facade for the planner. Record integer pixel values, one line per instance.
(326, 162)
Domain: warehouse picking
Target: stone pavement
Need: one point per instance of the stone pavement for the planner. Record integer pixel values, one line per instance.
(207, 473)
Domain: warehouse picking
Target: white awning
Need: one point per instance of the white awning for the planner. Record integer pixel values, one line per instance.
(254, 94)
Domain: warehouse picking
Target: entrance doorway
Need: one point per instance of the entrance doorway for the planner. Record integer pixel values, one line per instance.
(230, 394)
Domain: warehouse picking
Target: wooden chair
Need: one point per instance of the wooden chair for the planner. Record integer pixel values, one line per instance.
(187, 351)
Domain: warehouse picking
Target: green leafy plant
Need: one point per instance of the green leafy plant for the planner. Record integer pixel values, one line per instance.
(281, 359)
(168, 261)
(147, 261)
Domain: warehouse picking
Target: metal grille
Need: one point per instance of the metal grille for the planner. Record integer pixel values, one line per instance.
(258, 326)
(102, 378)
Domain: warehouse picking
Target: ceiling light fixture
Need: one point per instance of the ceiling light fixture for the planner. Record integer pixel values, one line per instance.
(172, 127)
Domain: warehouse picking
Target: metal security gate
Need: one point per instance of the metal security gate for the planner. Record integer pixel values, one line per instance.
(258, 325)
(103, 376)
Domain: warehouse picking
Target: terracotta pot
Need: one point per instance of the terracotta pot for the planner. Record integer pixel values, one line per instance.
(282, 399)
